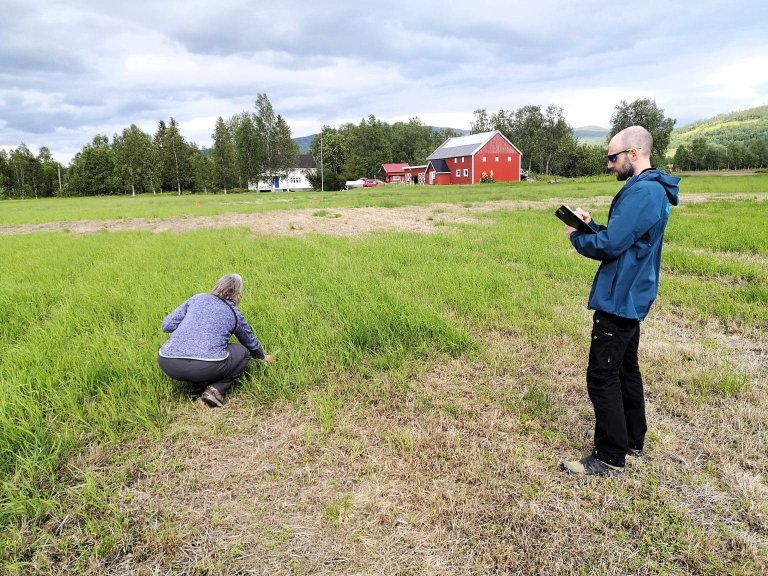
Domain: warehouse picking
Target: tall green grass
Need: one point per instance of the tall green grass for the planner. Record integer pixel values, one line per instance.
(80, 315)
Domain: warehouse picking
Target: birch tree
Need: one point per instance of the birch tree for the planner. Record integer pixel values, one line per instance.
(223, 155)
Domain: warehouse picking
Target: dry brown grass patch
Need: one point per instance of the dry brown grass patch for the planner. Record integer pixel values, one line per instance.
(453, 470)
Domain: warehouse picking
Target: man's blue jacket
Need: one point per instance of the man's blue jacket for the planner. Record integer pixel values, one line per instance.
(629, 247)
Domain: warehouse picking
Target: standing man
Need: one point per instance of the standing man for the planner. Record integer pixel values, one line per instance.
(625, 286)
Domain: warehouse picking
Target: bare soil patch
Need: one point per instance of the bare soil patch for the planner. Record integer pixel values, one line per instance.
(338, 222)
(716, 173)
(330, 221)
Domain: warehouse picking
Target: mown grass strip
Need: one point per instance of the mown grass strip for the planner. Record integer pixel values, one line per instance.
(167, 205)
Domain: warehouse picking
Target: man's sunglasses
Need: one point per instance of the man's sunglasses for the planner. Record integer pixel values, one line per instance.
(614, 157)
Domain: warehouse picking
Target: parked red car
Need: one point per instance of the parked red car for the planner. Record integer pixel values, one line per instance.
(362, 183)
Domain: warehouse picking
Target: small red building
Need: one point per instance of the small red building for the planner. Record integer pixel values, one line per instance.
(415, 174)
(393, 173)
(466, 159)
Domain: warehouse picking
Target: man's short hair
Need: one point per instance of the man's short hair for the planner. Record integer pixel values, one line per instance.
(639, 138)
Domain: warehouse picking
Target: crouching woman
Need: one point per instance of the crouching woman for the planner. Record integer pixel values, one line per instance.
(198, 350)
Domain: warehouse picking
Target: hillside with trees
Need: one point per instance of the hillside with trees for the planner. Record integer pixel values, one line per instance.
(738, 140)
(743, 127)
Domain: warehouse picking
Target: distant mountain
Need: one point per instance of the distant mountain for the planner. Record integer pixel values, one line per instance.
(458, 130)
(305, 142)
(591, 135)
(744, 127)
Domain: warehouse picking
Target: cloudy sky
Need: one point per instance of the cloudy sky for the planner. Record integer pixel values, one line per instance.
(72, 69)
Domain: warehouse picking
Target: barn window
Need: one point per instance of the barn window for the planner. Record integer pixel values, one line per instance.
(466, 172)
(483, 158)
(497, 158)
(509, 158)
(458, 173)
(455, 160)
(462, 159)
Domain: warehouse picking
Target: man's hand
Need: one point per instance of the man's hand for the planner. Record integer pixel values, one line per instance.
(584, 215)
(267, 358)
(569, 231)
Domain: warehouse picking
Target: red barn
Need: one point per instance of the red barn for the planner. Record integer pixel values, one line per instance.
(393, 173)
(464, 160)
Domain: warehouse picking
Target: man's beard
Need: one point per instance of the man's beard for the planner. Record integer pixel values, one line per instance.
(624, 171)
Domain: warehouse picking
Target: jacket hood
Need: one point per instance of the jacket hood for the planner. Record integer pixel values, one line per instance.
(666, 180)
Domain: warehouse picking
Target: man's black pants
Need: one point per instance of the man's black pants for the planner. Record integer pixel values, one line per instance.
(615, 387)
(220, 374)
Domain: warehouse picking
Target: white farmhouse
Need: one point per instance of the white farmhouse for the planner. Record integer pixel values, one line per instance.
(295, 179)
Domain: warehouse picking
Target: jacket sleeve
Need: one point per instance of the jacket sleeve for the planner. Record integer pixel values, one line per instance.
(637, 213)
(246, 337)
(172, 321)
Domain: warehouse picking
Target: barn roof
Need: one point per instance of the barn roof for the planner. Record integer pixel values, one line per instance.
(465, 145)
(439, 165)
(395, 167)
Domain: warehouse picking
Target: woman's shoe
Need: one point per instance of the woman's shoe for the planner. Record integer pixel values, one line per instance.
(212, 397)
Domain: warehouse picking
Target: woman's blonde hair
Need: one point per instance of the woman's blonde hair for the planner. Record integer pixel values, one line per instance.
(229, 287)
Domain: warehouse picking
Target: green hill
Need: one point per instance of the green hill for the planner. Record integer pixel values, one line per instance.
(743, 127)
(591, 135)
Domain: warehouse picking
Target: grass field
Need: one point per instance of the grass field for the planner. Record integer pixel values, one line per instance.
(428, 379)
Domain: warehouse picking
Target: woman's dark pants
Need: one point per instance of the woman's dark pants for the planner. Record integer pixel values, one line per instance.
(615, 387)
(220, 374)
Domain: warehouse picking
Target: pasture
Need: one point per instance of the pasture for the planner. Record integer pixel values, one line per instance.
(430, 348)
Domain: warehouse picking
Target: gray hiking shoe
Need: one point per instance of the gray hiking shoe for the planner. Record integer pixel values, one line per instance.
(590, 466)
(212, 397)
(634, 452)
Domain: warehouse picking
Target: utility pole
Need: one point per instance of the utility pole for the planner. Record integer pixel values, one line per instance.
(322, 179)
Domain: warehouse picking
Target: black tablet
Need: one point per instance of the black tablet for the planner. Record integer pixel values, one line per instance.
(572, 219)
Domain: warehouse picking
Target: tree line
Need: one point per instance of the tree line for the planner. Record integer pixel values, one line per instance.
(249, 147)
(24, 175)
(701, 154)
(257, 145)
